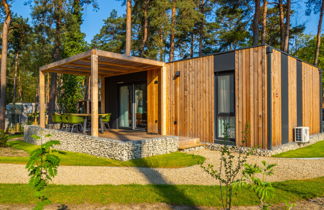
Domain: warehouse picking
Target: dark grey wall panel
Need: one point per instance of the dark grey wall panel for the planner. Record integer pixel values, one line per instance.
(299, 94)
(284, 99)
(224, 62)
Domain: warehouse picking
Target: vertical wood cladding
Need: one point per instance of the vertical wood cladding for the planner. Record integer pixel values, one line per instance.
(268, 102)
(251, 96)
(190, 107)
(292, 97)
(302, 105)
(153, 119)
(311, 98)
(276, 98)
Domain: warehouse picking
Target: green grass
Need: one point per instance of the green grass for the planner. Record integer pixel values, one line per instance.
(172, 160)
(12, 136)
(314, 150)
(191, 195)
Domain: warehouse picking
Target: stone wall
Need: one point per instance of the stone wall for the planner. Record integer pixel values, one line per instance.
(275, 150)
(103, 147)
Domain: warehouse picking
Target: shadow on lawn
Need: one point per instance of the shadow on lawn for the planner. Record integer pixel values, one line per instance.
(295, 189)
(171, 193)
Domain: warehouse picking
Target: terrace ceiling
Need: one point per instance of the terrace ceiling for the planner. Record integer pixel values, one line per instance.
(109, 64)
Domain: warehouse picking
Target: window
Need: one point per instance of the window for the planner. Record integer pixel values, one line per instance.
(225, 105)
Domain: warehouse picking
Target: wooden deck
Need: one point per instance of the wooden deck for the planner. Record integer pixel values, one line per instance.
(133, 135)
(126, 135)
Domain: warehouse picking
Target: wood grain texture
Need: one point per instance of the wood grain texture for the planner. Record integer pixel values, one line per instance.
(190, 110)
(276, 98)
(251, 97)
(94, 95)
(292, 97)
(311, 98)
(42, 106)
(153, 101)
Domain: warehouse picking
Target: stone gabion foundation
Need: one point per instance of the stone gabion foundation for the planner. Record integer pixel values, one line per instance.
(275, 150)
(103, 147)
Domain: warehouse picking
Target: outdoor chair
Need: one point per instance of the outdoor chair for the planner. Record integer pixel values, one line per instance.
(57, 119)
(105, 120)
(65, 122)
(76, 122)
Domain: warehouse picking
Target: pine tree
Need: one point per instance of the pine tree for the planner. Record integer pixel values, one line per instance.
(317, 6)
(5, 30)
(112, 34)
(233, 18)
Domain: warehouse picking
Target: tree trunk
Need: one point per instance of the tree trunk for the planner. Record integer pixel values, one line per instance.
(128, 27)
(19, 87)
(264, 21)
(14, 98)
(5, 31)
(201, 28)
(282, 25)
(192, 42)
(145, 27)
(57, 55)
(318, 36)
(173, 22)
(255, 25)
(287, 27)
(161, 45)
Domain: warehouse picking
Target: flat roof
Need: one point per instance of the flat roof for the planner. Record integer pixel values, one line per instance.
(109, 64)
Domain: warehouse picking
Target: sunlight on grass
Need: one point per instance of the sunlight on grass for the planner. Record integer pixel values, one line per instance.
(191, 195)
(314, 150)
(172, 160)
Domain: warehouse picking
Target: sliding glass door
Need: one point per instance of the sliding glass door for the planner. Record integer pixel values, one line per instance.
(132, 106)
(125, 106)
(225, 106)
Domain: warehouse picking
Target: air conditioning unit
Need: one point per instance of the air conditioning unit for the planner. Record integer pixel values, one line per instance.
(302, 134)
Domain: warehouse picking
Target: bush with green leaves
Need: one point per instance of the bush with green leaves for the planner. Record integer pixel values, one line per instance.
(229, 169)
(259, 186)
(42, 167)
(3, 138)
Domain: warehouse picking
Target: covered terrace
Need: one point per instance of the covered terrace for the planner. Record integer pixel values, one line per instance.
(98, 65)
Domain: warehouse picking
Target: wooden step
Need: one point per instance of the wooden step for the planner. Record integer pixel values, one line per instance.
(187, 142)
(191, 146)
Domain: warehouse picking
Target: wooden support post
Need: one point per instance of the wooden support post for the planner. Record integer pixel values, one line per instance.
(103, 95)
(42, 106)
(94, 93)
(163, 99)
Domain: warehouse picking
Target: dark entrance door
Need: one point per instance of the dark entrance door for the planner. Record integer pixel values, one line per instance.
(132, 106)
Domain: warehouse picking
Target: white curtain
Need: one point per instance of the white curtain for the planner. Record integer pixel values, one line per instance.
(124, 107)
(226, 105)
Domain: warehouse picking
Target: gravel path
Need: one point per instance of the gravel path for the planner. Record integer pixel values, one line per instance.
(286, 169)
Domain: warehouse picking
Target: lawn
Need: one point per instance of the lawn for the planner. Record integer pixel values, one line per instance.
(314, 150)
(172, 160)
(191, 195)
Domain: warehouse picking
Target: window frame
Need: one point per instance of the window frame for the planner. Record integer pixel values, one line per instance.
(230, 114)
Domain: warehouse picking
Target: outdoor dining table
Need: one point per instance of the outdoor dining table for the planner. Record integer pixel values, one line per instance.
(86, 117)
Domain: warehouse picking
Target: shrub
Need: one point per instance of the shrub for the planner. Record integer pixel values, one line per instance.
(230, 167)
(259, 186)
(3, 138)
(42, 167)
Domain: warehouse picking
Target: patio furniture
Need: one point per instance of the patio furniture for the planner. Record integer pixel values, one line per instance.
(86, 120)
(75, 122)
(57, 119)
(105, 118)
(65, 122)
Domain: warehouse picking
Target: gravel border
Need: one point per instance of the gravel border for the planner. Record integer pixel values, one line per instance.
(286, 169)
